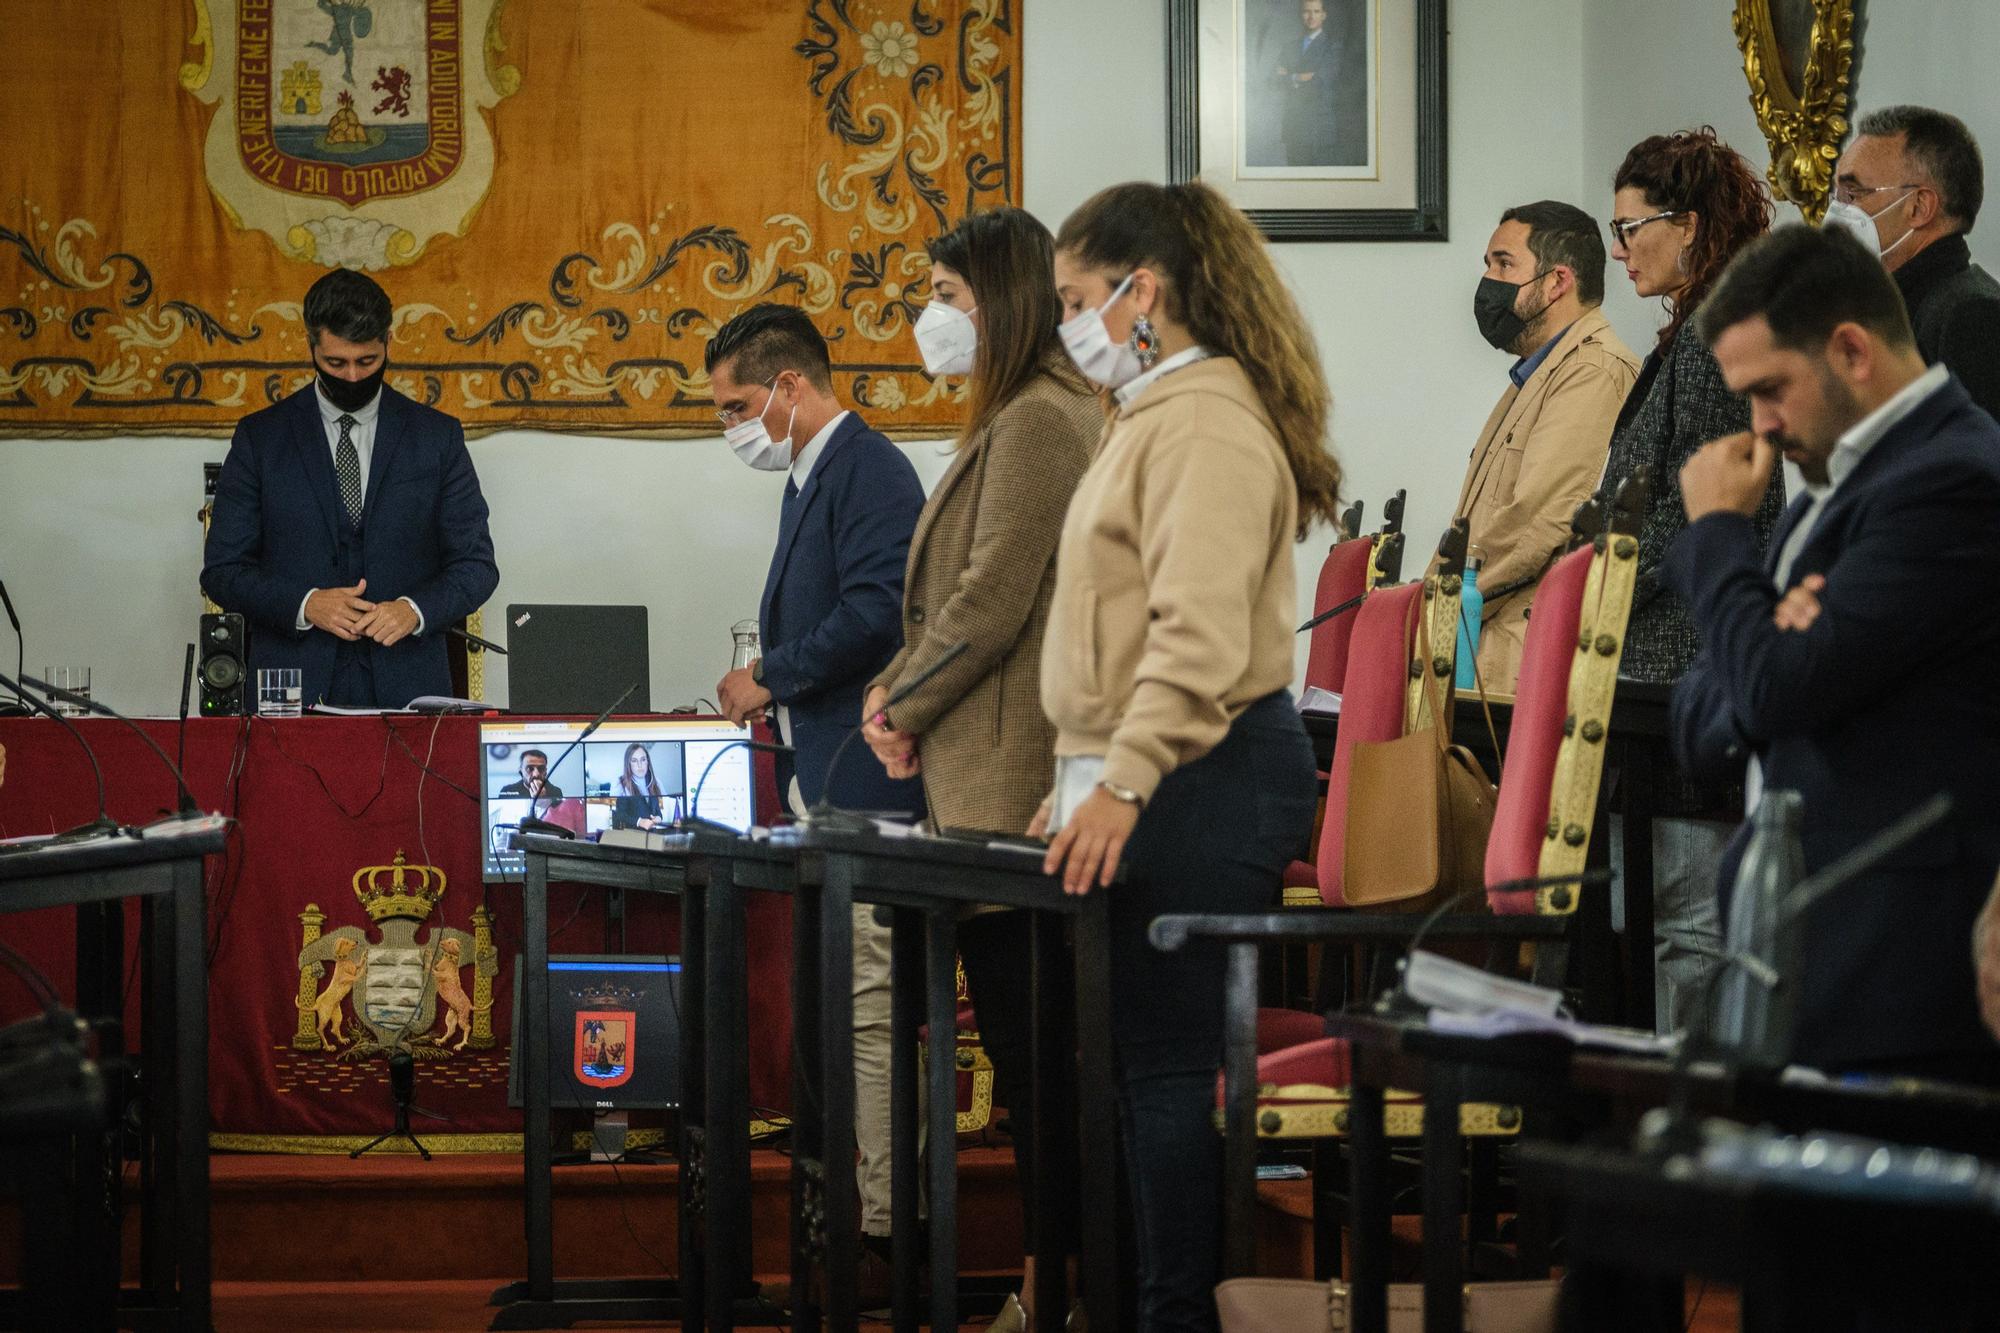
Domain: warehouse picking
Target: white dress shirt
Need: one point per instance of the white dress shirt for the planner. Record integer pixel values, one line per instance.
(362, 434)
(802, 466)
(1848, 451)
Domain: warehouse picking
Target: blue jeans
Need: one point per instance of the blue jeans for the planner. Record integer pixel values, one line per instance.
(1216, 837)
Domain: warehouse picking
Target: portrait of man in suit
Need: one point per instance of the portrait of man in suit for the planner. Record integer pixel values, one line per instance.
(1306, 83)
(349, 528)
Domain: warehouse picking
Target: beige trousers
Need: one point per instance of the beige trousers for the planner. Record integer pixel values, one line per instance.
(872, 1053)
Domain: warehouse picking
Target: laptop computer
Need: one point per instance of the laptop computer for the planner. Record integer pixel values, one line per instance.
(576, 659)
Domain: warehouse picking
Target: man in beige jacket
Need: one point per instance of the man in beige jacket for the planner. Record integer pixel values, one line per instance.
(1543, 448)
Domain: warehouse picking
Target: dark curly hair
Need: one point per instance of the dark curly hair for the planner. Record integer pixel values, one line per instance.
(1694, 171)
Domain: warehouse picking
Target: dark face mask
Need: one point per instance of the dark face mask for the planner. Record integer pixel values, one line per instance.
(351, 395)
(1493, 307)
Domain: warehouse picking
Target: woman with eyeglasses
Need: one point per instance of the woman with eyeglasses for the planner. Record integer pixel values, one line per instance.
(1686, 203)
(981, 572)
(1180, 754)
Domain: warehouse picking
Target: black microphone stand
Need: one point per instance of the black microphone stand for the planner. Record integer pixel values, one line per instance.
(21, 707)
(184, 797)
(824, 813)
(403, 1091)
(534, 823)
(104, 824)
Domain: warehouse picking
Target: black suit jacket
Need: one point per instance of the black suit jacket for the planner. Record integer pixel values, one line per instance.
(1883, 702)
(1955, 309)
(279, 530)
(832, 612)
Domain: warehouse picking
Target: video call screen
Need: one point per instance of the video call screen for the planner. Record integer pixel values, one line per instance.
(628, 775)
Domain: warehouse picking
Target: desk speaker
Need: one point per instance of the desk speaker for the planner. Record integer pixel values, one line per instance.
(224, 664)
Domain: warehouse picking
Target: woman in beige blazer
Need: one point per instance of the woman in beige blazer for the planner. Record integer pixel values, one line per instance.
(981, 572)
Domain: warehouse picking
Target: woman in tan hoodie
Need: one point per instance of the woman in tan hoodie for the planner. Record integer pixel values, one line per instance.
(1169, 656)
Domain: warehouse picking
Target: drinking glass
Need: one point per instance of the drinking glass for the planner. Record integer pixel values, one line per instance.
(74, 679)
(278, 691)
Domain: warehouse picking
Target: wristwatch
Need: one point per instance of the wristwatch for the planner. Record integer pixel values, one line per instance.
(1124, 794)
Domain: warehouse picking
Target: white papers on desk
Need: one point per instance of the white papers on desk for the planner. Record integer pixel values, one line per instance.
(1465, 1001)
(1316, 700)
(1503, 1023)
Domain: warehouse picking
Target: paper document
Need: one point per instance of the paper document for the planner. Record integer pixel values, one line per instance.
(1316, 700)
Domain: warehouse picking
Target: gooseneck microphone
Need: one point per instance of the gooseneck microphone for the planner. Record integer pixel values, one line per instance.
(692, 819)
(104, 823)
(473, 639)
(184, 797)
(828, 815)
(23, 707)
(1331, 612)
(534, 823)
(187, 688)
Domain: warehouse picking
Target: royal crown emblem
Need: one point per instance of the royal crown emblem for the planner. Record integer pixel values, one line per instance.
(398, 890)
(397, 986)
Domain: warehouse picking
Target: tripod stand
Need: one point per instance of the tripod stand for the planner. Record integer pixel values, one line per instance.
(403, 1089)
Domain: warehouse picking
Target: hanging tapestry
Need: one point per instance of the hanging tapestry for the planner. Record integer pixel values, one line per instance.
(563, 200)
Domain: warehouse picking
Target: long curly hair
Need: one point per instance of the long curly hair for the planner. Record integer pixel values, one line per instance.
(1218, 280)
(1694, 171)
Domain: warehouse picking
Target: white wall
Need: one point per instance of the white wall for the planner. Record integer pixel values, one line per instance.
(1649, 68)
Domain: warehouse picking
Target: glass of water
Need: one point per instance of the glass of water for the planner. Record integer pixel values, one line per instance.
(76, 680)
(279, 691)
(747, 648)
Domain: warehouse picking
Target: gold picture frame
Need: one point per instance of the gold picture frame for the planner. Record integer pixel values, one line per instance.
(1798, 56)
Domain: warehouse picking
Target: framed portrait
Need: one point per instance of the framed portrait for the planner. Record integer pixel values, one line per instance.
(1324, 120)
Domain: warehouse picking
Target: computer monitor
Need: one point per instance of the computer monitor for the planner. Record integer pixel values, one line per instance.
(629, 774)
(614, 1032)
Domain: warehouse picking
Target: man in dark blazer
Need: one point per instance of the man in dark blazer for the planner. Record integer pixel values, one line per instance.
(830, 619)
(1322, 77)
(1910, 184)
(349, 528)
(1846, 665)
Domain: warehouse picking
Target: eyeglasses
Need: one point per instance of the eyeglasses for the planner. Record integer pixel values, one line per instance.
(1621, 231)
(730, 416)
(1847, 193)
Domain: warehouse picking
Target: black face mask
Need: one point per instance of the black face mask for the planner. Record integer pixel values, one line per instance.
(1493, 307)
(352, 395)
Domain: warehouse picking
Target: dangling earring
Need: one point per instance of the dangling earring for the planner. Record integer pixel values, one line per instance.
(1144, 342)
(1681, 261)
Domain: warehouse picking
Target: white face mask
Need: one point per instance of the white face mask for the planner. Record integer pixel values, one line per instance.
(1089, 343)
(1853, 218)
(947, 337)
(754, 445)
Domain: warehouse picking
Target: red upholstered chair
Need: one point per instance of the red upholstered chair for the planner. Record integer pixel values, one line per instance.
(1343, 576)
(1534, 859)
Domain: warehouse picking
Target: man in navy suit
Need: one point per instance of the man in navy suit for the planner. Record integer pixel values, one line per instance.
(830, 620)
(349, 529)
(1850, 666)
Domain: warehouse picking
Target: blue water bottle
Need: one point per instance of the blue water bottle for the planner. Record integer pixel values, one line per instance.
(1471, 608)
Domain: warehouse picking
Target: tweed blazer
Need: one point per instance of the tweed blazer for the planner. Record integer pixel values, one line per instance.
(1679, 403)
(1538, 458)
(982, 570)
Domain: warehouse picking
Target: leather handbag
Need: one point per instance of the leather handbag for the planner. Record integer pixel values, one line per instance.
(1290, 1305)
(1419, 812)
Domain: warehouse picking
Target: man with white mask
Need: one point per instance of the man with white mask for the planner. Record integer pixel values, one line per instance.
(830, 620)
(1909, 186)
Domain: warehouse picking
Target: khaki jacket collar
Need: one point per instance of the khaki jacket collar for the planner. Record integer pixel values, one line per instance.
(1515, 403)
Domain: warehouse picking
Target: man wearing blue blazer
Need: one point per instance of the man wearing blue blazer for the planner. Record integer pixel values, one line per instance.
(349, 528)
(830, 619)
(1845, 666)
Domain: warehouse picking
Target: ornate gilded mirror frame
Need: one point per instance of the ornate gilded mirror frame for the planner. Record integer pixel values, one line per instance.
(1801, 104)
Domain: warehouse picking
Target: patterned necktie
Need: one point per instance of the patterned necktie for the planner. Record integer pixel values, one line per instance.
(347, 466)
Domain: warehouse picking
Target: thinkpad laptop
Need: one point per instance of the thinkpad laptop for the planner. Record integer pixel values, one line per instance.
(576, 659)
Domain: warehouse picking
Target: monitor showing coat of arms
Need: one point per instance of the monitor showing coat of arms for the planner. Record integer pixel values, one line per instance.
(630, 774)
(614, 1032)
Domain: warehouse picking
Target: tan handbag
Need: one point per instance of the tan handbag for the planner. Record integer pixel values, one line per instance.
(1289, 1305)
(1419, 811)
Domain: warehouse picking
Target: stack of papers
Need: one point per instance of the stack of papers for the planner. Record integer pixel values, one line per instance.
(1465, 1001)
(1316, 700)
